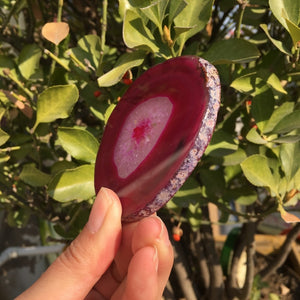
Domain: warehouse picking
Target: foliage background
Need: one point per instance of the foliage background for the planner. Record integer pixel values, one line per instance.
(58, 88)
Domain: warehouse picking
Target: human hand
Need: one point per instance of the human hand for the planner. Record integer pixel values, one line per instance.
(109, 260)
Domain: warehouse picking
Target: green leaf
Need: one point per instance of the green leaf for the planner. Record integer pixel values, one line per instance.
(56, 102)
(294, 31)
(4, 137)
(213, 181)
(235, 158)
(181, 30)
(175, 8)
(136, 34)
(257, 171)
(293, 138)
(2, 111)
(243, 195)
(262, 108)
(283, 110)
(29, 60)
(73, 184)
(108, 112)
(124, 63)
(279, 44)
(194, 216)
(33, 176)
(189, 192)
(221, 144)
(88, 50)
(272, 80)
(6, 63)
(286, 10)
(254, 137)
(245, 83)
(290, 159)
(231, 51)
(80, 143)
(288, 123)
(195, 14)
(156, 11)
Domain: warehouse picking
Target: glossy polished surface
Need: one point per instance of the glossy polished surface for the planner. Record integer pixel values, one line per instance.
(151, 132)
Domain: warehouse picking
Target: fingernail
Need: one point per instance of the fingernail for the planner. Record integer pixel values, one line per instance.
(163, 235)
(102, 203)
(155, 258)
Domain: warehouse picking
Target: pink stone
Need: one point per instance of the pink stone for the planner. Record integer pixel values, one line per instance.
(152, 142)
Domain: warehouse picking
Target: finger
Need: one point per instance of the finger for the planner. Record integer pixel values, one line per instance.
(142, 278)
(158, 237)
(79, 267)
(110, 281)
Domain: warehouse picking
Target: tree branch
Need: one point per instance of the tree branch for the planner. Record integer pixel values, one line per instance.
(282, 253)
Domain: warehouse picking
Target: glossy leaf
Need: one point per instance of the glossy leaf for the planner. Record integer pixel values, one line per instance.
(156, 11)
(283, 110)
(88, 50)
(254, 137)
(290, 138)
(288, 123)
(56, 102)
(4, 137)
(290, 159)
(294, 31)
(279, 44)
(272, 80)
(235, 158)
(190, 192)
(29, 59)
(262, 108)
(175, 8)
(257, 171)
(194, 15)
(6, 63)
(124, 63)
(231, 51)
(136, 34)
(221, 144)
(78, 142)
(33, 176)
(73, 184)
(286, 10)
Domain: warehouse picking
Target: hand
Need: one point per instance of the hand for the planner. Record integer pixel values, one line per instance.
(108, 260)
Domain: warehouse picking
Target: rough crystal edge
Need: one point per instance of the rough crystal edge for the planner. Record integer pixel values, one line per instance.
(196, 152)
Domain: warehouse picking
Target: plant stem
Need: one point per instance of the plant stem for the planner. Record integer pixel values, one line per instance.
(9, 149)
(103, 36)
(243, 4)
(7, 73)
(56, 59)
(59, 11)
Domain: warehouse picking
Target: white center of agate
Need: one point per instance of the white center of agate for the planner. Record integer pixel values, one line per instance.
(140, 132)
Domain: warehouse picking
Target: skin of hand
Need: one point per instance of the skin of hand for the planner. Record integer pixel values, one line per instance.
(109, 260)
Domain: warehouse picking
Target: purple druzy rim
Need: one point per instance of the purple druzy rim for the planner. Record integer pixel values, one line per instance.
(196, 152)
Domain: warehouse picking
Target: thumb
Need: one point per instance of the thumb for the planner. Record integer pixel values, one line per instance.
(79, 267)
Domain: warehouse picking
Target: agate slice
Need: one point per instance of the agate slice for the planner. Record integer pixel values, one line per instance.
(157, 133)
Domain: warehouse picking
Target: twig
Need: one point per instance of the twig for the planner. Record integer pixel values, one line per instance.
(216, 287)
(181, 270)
(103, 36)
(282, 253)
(245, 243)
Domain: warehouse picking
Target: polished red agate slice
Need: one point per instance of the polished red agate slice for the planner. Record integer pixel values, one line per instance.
(157, 133)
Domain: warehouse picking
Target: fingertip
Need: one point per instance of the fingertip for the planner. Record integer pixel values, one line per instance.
(105, 199)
